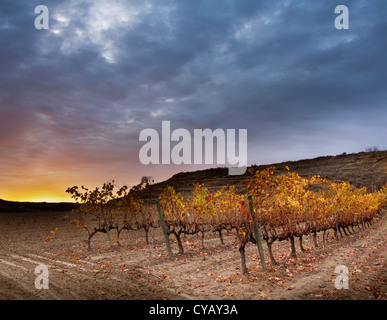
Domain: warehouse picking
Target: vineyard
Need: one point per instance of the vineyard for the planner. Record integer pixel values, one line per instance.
(269, 207)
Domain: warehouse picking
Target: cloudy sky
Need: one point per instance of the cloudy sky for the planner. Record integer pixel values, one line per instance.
(74, 98)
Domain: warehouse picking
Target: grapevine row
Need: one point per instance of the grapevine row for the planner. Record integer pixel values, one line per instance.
(286, 205)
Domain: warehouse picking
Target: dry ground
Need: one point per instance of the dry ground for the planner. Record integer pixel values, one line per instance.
(136, 270)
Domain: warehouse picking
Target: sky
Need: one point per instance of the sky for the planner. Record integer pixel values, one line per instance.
(75, 97)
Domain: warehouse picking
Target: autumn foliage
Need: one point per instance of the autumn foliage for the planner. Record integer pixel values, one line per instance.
(286, 205)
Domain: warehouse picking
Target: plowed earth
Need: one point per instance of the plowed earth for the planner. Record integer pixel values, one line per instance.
(136, 270)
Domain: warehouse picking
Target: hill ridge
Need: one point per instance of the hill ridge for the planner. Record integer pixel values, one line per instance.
(363, 169)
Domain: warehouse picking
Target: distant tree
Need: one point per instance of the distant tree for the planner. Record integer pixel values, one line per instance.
(146, 180)
(372, 149)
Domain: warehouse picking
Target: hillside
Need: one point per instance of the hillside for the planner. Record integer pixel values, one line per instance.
(367, 169)
(364, 169)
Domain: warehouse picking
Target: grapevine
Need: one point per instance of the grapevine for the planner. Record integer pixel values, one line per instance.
(286, 205)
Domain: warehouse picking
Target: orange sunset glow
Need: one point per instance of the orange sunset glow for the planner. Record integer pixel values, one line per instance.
(75, 96)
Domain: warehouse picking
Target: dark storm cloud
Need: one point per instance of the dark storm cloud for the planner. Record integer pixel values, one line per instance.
(78, 94)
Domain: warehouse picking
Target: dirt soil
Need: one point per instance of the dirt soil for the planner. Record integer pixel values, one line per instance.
(136, 270)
